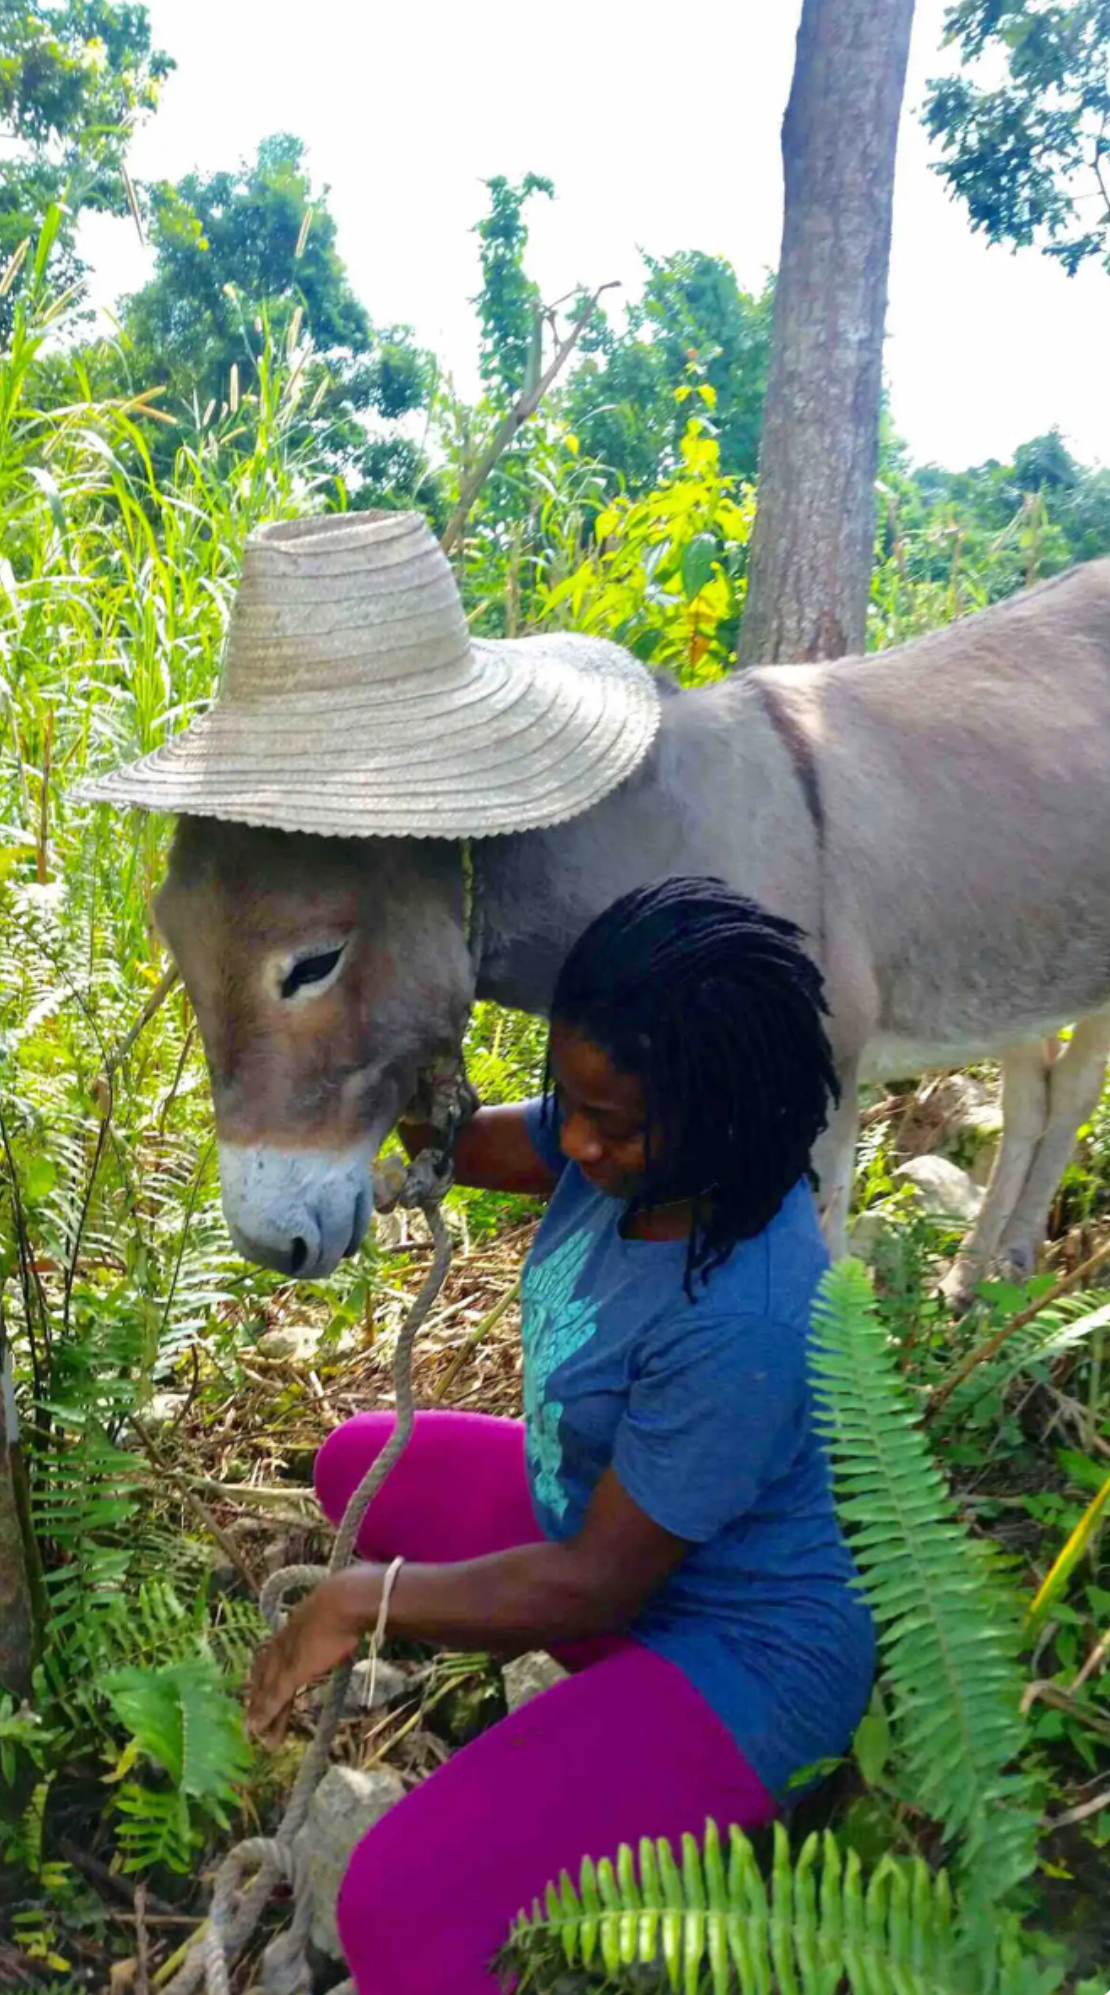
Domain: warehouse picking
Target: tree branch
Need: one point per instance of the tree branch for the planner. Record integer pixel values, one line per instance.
(993, 1344)
(157, 997)
(526, 404)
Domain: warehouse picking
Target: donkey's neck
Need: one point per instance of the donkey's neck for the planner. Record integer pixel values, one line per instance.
(678, 814)
(539, 890)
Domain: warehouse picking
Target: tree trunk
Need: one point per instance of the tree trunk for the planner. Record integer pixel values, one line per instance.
(17, 1631)
(813, 541)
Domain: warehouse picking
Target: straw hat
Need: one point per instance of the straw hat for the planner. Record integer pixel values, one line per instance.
(354, 701)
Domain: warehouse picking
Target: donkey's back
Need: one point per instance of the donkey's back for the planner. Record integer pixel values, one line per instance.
(965, 784)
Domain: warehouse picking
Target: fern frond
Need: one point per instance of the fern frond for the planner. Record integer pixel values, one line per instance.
(155, 1828)
(948, 1637)
(1059, 1328)
(181, 1717)
(711, 1926)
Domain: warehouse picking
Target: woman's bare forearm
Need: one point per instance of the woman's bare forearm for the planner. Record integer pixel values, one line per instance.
(533, 1596)
(494, 1152)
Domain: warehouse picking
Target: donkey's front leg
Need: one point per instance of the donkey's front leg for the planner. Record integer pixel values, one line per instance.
(834, 1160)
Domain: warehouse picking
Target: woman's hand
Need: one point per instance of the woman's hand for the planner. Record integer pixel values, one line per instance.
(323, 1629)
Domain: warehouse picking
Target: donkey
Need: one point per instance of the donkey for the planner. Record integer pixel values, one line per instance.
(936, 819)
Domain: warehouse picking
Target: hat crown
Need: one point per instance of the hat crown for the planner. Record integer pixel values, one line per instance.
(355, 704)
(347, 600)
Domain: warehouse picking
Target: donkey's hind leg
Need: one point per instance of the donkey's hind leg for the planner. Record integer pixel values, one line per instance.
(1075, 1083)
(1025, 1071)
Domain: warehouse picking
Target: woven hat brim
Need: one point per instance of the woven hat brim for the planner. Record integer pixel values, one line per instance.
(536, 732)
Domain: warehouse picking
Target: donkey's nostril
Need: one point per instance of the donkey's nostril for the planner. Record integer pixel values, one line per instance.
(298, 1255)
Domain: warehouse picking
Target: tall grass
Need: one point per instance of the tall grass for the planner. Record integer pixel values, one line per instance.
(114, 592)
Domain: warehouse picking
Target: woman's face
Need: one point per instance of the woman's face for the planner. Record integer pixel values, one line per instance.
(602, 1115)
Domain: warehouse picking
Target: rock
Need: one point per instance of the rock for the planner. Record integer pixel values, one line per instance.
(289, 1342)
(869, 1234)
(945, 1191)
(163, 1407)
(954, 1116)
(389, 1231)
(345, 1805)
(974, 1126)
(526, 1676)
(389, 1684)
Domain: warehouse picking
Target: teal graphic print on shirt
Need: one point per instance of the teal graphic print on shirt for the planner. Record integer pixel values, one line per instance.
(555, 1325)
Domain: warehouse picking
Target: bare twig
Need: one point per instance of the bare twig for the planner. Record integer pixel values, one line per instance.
(157, 998)
(880, 1111)
(142, 1943)
(107, 1108)
(476, 1336)
(1100, 148)
(1047, 1692)
(29, 1279)
(1099, 1654)
(107, 1880)
(186, 1049)
(992, 1345)
(1082, 1813)
(421, 1712)
(507, 429)
(269, 1495)
(200, 1510)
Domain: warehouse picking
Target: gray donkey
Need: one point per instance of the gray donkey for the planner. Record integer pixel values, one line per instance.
(936, 819)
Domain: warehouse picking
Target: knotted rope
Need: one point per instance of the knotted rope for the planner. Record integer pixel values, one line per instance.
(237, 1905)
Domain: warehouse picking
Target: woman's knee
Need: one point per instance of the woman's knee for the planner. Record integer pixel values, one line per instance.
(401, 1931)
(343, 1459)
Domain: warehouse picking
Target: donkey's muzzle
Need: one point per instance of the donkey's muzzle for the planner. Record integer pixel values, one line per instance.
(296, 1211)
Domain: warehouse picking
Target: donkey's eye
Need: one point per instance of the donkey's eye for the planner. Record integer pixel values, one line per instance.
(309, 970)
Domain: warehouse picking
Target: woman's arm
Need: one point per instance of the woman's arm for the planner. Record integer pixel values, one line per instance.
(494, 1152)
(534, 1596)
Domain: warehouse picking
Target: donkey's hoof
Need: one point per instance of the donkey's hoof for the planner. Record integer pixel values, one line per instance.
(959, 1285)
(1017, 1261)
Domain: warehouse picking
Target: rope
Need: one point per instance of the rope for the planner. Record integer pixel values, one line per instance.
(237, 1905)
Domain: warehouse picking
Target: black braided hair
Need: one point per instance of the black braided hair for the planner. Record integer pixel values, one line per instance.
(713, 1006)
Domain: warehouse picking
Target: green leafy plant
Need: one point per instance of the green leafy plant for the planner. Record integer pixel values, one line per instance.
(709, 1922)
(665, 575)
(948, 1632)
(181, 1717)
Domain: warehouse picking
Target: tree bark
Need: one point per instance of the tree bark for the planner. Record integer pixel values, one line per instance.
(813, 541)
(17, 1629)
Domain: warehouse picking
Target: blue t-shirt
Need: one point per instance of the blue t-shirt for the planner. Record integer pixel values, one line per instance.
(703, 1410)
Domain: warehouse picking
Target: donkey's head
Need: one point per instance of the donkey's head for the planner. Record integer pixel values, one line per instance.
(325, 973)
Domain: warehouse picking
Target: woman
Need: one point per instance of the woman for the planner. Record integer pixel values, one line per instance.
(662, 1521)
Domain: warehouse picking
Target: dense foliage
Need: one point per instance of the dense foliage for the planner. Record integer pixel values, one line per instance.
(1024, 124)
(75, 79)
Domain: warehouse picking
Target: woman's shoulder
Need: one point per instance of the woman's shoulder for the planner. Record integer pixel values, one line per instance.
(774, 1275)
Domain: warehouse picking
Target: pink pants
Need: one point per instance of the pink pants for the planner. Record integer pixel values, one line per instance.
(625, 1747)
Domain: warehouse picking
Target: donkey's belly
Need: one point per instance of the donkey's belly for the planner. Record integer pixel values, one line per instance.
(898, 1059)
(959, 1041)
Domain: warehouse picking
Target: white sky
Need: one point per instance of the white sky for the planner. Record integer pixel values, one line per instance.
(660, 128)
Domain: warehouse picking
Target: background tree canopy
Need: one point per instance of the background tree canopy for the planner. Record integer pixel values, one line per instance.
(246, 255)
(74, 80)
(1030, 154)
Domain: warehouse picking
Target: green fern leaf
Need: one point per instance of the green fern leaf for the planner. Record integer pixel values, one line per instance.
(823, 1931)
(182, 1717)
(1057, 1330)
(948, 1637)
